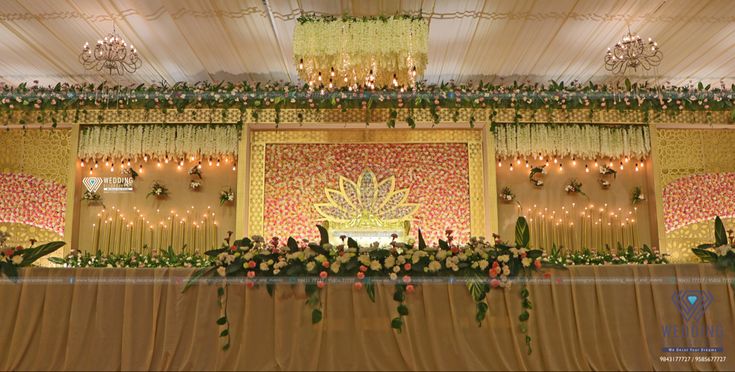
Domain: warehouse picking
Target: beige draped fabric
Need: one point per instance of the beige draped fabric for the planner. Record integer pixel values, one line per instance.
(138, 319)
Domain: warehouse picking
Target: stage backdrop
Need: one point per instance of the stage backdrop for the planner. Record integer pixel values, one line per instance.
(696, 182)
(33, 177)
(441, 170)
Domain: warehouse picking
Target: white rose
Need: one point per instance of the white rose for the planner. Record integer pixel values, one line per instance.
(263, 266)
(396, 269)
(375, 265)
(506, 270)
(17, 259)
(483, 264)
(221, 271)
(310, 266)
(401, 260)
(526, 262)
(434, 266)
(389, 262)
(335, 267)
(503, 258)
(393, 276)
(276, 271)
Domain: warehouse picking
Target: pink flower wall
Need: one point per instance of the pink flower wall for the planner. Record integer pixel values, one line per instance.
(32, 201)
(698, 198)
(297, 174)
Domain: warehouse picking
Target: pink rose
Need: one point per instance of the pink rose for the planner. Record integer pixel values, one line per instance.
(361, 275)
(323, 274)
(407, 267)
(409, 288)
(358, 285)
(495, 283)
(325, 264)
(407, 279)
(320, 284)
(251, 264)
(250, 284)
(363, 268)
(251, 274)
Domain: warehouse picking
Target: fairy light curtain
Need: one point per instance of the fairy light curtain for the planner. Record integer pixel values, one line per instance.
(584, 141)
(156, 141)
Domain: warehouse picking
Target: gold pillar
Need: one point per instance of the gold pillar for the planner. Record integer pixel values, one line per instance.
(243, 183)
(73, 194)
(491, 184)
(658, 187)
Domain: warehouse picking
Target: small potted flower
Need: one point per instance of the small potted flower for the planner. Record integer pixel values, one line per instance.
(638, 195)
(574, 187)
(506, 195)
(195, 185)
(158, 190)
(226, 196)
(536, 175)
(92, 197)
(196, 171)
(129, 172)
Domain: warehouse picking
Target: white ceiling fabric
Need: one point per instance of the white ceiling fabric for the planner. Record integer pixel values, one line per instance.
(525, 40)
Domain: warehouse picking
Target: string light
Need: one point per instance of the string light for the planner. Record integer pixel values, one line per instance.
(90, 170)
(210, 161)
(199, 166)
(621, 165)
(159, 163)
(234, 168)
(527, 164)
(574, 161)
(596, 163)
(511, 167)
(218, 162)
(500, 164)
(586, 168)
(636, 167)
(140, 168)
(145, 157)
(82, 163)
(518, 161)
(555, 160)
(128, 162)
(95, 164)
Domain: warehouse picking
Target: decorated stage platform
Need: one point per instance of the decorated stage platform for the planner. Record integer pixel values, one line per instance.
(584, 318)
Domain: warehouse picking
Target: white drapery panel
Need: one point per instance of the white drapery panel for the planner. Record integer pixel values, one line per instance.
(158, 141)
(583, 141)
(193, 40)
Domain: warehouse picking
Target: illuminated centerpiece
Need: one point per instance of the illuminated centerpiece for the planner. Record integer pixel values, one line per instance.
(367, 210)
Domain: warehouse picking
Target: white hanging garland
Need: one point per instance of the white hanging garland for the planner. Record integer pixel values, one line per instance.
(157, 141)
(583, 141)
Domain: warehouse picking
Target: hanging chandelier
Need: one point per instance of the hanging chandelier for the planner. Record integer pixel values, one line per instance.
(112, 54)
(632, 52)
(368, 52)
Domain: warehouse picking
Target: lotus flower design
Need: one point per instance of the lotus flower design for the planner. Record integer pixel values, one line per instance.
(367, 203)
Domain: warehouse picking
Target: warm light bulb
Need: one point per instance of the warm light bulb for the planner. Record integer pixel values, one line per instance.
(159, 164)
(511, 167)
(218, 162)
(234, 168)
(140, 168)
(145, 158)
(586, 168)
(90, 170)
(500, 164)
(554, 160)
(621, 165)
(518, 161)
(82, 163)
(574, 161)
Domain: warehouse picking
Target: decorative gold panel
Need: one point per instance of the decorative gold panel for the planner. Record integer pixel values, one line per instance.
(681, 241)
(684, 152)
(21, 234)
(375, 117)
(38, 152)
(473, 139)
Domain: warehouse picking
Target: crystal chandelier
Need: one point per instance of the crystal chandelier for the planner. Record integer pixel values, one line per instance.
(112, 54)
(632, 52)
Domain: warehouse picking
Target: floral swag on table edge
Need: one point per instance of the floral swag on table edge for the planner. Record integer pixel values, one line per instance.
(483, 266)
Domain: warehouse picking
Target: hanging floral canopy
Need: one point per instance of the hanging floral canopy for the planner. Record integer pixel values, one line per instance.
(351, 51)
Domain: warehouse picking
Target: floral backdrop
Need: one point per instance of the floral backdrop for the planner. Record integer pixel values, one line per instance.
(698, 198)
(32, 201)
(297, 174)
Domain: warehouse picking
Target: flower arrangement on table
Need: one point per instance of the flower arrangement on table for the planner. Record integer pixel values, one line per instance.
(166, 258)
(606, 256)
(158, 190)
(536, 175)
(129, 172)
(574, 187)
(507, 195)
(637, 196)
(195, 185)
(722, 252)
(11, 258)
(481, 264)
(226, 196)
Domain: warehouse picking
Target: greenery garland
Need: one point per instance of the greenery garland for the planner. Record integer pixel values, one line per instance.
(251, 97)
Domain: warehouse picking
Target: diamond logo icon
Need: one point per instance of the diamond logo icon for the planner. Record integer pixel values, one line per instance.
(692, 303)
(92, 183)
